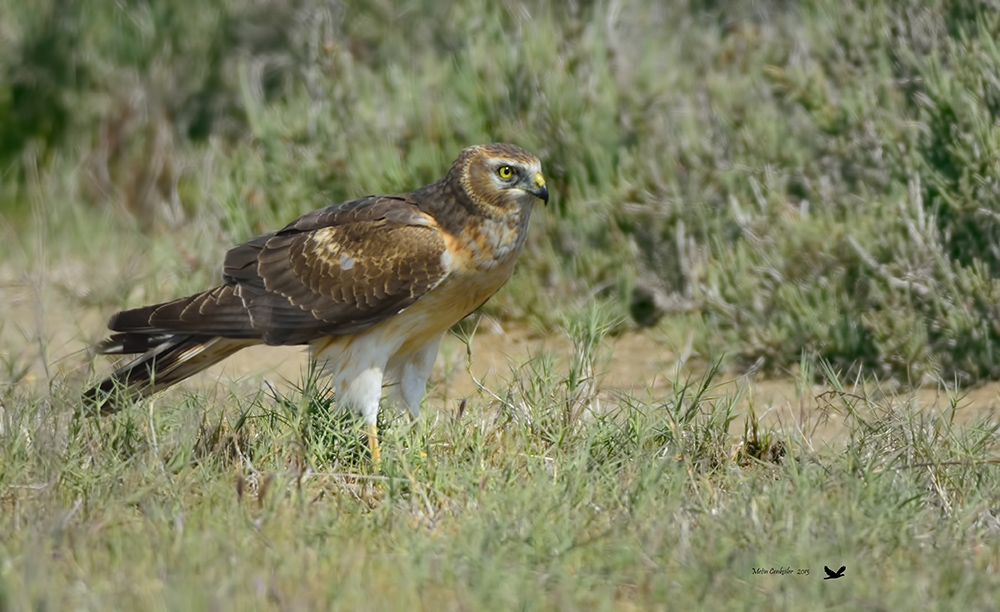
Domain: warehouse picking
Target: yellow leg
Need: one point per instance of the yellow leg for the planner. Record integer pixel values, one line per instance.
(373, 447)
(413, 419)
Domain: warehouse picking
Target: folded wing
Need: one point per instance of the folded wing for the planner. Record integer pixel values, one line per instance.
(335, 271)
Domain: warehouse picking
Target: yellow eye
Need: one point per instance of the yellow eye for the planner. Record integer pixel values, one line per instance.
(505, 172)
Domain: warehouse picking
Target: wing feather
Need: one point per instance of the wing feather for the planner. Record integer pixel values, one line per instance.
(334, 271)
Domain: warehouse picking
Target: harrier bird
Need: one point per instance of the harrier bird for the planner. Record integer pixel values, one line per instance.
(371, 285)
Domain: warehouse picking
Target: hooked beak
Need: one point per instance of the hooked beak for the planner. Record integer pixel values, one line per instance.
(539, 190)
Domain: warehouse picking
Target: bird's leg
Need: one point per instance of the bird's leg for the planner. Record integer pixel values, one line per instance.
(414, 374)
(410, 371)
(360, 390)
(372, 431)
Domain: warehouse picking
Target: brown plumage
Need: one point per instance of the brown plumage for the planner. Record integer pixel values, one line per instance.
(370, 284)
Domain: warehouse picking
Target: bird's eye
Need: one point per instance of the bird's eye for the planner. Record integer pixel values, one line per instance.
(505, 172)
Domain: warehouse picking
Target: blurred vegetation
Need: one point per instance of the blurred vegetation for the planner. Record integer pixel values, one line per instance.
(811, 178)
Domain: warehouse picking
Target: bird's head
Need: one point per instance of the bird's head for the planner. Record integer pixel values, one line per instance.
(501, 178)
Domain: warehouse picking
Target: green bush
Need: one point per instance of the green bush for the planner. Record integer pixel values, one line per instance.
(817, 177)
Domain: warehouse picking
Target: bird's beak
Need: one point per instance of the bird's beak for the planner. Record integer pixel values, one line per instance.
(539, 190)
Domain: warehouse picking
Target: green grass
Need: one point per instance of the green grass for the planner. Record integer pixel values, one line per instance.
(794, 190)
(531, 498)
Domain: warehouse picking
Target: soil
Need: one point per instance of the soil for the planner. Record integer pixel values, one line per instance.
(42, 333)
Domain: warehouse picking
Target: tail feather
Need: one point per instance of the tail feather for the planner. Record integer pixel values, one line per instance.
(132, 343)
(167, 360)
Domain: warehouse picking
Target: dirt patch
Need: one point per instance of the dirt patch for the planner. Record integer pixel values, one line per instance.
(45, 339)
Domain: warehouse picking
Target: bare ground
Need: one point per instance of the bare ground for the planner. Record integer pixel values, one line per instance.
(44, 340)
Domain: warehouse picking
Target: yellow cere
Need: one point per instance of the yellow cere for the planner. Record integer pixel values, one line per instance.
(539, 179)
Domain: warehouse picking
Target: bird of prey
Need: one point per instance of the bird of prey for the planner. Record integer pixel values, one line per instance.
(833, 575)
(370, 285)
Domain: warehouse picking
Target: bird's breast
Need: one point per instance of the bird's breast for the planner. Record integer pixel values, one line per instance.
(478, 262)
(487, 244)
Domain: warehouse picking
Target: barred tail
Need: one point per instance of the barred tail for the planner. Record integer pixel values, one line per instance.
(167, 360)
